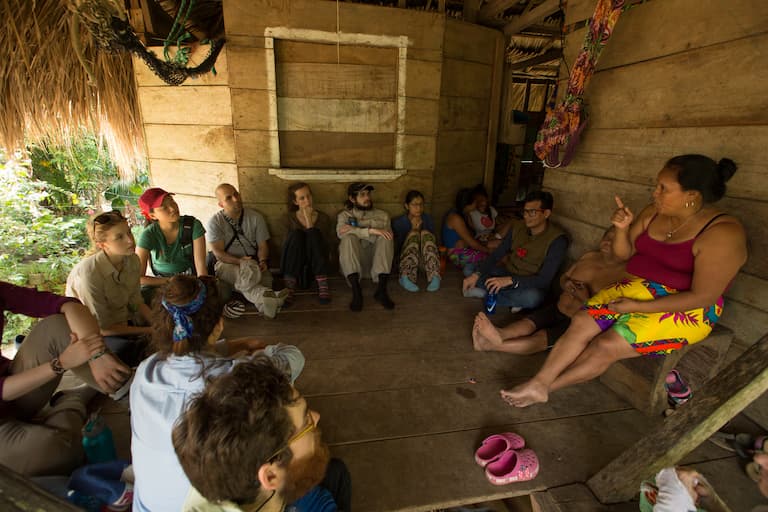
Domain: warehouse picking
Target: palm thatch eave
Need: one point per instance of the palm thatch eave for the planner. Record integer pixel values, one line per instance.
(46, 94)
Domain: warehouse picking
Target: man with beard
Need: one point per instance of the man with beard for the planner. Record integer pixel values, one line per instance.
(532, 252)
(250, 442)
(366, 244)
(238, 238)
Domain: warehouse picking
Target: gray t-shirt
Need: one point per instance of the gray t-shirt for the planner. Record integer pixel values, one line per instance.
(253, 230)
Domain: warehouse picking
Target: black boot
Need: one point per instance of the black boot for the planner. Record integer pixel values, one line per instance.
(381, 295)
(357, 292)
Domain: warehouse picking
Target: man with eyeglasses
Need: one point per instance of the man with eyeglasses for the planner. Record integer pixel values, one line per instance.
(250, 442)
(238, 238)
(533, 251)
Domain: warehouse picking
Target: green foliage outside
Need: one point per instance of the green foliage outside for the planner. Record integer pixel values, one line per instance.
(46, 196)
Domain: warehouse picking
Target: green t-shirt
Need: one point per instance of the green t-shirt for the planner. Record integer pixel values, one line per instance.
(169, 260)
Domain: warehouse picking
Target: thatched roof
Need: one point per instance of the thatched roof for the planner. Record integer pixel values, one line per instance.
(47, 93)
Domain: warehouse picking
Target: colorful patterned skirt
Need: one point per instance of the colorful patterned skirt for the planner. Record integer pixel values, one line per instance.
(651, 334)
(461, 257)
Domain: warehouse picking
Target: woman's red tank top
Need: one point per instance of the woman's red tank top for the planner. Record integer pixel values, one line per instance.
(665, 263)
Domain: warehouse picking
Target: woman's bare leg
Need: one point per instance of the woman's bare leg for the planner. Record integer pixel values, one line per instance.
(519, 337)
(565, 352)
(602, 352)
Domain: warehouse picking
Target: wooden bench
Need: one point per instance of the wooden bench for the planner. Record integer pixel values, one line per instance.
(640, 381)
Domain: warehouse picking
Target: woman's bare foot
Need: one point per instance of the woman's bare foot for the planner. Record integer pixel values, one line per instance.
(528, 393)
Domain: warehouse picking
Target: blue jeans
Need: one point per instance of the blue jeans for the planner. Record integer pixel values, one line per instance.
(526, 298)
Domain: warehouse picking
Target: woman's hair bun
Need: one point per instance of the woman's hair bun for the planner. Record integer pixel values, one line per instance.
(726, 168)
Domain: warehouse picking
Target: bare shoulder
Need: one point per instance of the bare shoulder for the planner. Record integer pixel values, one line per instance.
(724, 225)
(453, 219)
(588, 258)
(725, 234)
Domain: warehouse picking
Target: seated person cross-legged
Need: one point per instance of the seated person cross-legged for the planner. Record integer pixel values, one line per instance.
(171, 243)
(533, 251)
(682, 254)
(463, 249)
(186, 326)
(41, 435)
(250, 442)
(239, 242)
(539, 330)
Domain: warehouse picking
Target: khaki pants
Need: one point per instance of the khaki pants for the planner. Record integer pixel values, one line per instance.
(36, 439)
(247, 279)
(358, 256)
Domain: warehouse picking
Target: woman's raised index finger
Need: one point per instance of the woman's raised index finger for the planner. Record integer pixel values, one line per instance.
(619, 202)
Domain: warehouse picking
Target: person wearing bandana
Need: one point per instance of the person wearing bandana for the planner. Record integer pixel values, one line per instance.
(187, 324)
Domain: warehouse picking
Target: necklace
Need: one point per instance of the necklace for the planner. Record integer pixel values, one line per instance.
(672, 232)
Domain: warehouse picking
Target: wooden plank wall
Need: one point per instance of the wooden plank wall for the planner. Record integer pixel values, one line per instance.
(188, 132)
(336, 109)
(466, 113)
(300, 91)
(221, 128)
(677, 76)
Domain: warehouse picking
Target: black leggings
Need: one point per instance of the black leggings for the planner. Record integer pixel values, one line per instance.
(304, 248)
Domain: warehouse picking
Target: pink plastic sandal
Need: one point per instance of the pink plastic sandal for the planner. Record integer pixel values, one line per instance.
(513, 466)
(494, 446)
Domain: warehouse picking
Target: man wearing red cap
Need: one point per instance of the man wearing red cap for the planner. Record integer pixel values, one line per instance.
(366, 244)
(238, 238)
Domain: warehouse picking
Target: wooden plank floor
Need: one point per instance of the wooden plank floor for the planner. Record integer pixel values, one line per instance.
(405, 401)
(396, 402)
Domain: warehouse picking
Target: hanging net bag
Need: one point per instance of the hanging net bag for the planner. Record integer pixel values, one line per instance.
(564, 123)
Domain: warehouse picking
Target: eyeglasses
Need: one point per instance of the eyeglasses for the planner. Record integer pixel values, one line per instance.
(311, 425)
(532, 212)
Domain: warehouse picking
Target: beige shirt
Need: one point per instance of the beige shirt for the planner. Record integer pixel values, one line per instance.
(264, 503)
(112, 296)
(378, 219)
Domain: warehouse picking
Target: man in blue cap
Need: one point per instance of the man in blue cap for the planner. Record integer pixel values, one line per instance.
(366, 246)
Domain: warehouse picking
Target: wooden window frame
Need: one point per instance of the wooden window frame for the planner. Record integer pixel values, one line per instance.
(318, 36)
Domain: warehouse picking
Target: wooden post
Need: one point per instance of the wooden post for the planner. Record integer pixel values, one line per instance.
(535, 15)
(494, 111)
(471, 7)
(719, 400)
(20, 494)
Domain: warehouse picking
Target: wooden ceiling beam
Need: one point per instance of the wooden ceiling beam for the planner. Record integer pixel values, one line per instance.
(547, 56)
(493, 8)
(533, 16)
(471, 8)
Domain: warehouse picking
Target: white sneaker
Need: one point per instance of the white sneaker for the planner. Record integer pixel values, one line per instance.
(475, 292)
(270, 305)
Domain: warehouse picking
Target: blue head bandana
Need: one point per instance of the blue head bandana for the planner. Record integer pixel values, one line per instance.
(182, 323)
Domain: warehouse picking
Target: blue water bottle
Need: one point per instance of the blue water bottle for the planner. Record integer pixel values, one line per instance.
(97, 441)
(490, 303)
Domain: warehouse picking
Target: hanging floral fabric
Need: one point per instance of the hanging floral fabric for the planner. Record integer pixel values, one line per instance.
(564, 124)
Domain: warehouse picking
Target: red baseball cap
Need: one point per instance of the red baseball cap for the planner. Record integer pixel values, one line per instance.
(152, 198)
